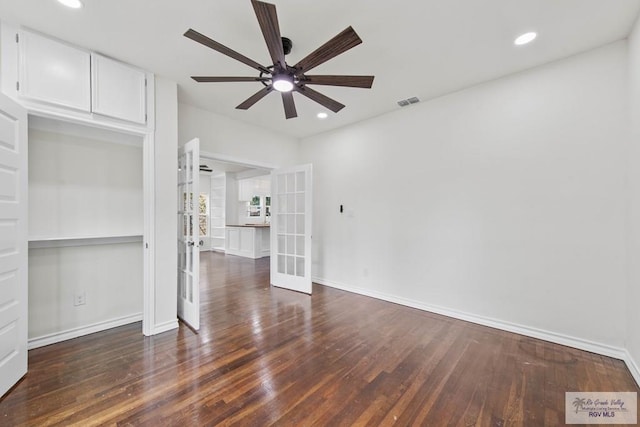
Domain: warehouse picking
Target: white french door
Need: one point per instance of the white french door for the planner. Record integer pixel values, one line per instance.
(189, 234)
(291, 198)
(13, 243)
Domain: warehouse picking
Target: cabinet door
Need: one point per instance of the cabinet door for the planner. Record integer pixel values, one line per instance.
(118, 90)
(54, 72)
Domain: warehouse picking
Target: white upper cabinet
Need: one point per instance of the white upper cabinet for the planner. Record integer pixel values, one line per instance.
(250, 187)
(53, 72)
(118, 90)
(53, 78)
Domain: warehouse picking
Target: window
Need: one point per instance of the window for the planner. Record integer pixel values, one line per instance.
(267, 204)
(254, 207)
(259, 207)
(204, 214)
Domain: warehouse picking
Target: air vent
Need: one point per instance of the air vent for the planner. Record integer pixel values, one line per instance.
(408, 101)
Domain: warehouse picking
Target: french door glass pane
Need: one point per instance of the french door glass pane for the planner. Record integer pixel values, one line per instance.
(291, 265)
(183, 290)
(281, 261)
(291, 245)
(291, 182)
(291, 224)
(189, 170)
(300, 224)
(300, 245)
(291, 203)
(299, 266)
(281, 248)
(282, 203)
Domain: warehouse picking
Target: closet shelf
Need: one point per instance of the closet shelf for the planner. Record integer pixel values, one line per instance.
(63, 242)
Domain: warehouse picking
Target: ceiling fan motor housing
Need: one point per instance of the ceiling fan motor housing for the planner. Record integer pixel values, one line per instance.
(287, 44)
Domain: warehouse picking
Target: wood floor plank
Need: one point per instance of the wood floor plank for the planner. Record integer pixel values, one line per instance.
(267, 356)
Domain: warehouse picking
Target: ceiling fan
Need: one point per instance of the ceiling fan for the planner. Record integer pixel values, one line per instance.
(282, 77)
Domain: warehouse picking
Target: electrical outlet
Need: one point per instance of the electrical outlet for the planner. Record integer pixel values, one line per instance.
(80, 298)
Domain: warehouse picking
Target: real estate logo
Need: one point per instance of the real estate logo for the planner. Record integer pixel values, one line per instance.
(601, 408)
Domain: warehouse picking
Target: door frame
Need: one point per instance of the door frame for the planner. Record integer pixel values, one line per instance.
(268, 167)
(148, 199)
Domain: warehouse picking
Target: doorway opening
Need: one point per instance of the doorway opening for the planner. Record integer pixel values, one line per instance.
(211, 218)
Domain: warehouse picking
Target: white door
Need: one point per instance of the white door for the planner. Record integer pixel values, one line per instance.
(13, 243)
(189, 234)
(291, 228)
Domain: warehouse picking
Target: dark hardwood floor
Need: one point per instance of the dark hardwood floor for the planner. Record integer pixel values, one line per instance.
(269, 356)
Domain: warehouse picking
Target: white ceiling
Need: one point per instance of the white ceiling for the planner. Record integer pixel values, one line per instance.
(423, 48)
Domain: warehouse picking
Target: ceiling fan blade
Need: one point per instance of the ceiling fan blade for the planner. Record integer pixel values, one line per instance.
(268, 20)
(350, 81)
(255, 98)
(334, 47)
(207, 79)
(321, 99)
(202, 39)
(289, 106)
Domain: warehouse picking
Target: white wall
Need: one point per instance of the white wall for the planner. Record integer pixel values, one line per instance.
(110, 276)
(80, 186)
(166, 204)
(231, 202)
(221, 135)
(633, 292)
(503, 201)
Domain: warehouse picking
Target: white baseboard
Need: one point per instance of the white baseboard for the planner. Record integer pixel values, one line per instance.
(165, 326)
(579, 343)
(81, 330)
(633, 366)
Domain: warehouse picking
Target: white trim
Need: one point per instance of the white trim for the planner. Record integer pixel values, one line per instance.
(149, 237)
(85, 131)
(236, 160)
(579, 343)
(82, 330)
(65, 242)
(88, 119)
(165, 326)
(252, 173)
(633, 366)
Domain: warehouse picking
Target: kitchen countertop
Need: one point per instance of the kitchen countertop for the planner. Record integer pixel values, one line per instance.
(250, 225)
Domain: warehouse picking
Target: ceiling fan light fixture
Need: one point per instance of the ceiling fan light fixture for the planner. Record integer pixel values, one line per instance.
(525, 38)
(280, 76)
(283, 84)
(74, 4)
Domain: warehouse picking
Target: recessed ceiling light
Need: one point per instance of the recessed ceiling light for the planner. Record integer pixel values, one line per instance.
(525, 38)
(74, 4)
(322, 115)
